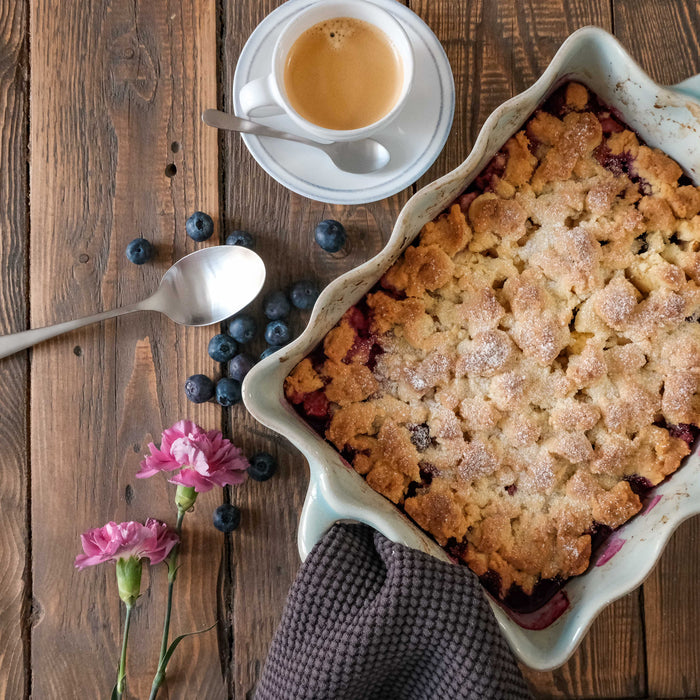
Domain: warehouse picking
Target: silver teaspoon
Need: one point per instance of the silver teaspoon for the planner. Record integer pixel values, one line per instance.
(359, 157)
(204, 287)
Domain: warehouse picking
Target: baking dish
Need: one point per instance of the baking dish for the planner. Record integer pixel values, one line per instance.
(665, 117)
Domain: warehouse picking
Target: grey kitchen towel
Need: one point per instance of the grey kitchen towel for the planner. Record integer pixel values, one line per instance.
(368, 619)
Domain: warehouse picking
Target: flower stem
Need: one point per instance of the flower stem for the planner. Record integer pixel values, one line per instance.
(172, 574)
(121, 674)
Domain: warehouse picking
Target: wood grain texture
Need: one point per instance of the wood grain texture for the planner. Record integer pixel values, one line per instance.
(672, 612)
(116, 149)
(608, 664)
(664, 38)
(114, 86)
(15, 577)
(264, 553)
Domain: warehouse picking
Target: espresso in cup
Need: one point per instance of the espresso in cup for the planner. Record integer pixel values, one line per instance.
(343, 73)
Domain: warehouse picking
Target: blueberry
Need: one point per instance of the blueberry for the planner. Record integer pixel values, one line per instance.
(222, 347)
(268, 351)
(199, 388)
(304, 294)
(330, 235)
(228, 391)
(276, 306)
(262, 466)
(239, 366)
(227, 517)
(139, 251)
(277, 333)
(241, 238)
(243, 328)
(199, 226)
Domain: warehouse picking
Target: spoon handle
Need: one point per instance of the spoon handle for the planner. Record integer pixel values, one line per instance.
(10, 344)
(224, 120)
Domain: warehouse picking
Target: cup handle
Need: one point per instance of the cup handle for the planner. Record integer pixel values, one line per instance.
(259, 96)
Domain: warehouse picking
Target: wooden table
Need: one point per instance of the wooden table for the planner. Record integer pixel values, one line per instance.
(100, 140)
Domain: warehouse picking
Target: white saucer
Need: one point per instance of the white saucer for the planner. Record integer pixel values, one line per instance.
(414, 139)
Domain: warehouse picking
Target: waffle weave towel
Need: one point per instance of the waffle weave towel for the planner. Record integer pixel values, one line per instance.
(368, 619)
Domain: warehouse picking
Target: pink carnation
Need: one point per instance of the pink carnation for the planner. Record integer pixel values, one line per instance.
(154, 540)
(205, 459)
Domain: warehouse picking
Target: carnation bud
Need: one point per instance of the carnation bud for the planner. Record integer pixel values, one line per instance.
(185, 496)
(129, 579)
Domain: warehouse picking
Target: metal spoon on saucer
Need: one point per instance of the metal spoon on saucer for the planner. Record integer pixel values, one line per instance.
(204, 287)
(359, 157)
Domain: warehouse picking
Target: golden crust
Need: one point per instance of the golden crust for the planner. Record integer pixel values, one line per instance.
(303, 380)
(451, 232)
(532, 346)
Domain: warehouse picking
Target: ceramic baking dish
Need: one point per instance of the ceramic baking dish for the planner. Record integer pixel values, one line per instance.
(665, 117)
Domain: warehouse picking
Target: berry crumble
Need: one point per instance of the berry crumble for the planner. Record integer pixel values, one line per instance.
(530, 367)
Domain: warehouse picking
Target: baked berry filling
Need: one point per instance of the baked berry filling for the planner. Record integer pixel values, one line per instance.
(428, 471)
(639, 485)
(599, 533)
(487, 179)
(316, 404)
(684, 431)
(616, 163)
(609, 124)
(524, 401)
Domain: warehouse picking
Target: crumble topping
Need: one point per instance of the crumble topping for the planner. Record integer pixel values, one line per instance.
(532, 363)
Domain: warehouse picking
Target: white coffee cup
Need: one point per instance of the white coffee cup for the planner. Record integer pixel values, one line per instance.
(267, 95)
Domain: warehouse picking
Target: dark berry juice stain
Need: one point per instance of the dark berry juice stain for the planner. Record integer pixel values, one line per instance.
(643, 245)
(457, 550)
(516, 599)
(428, 471)
(519, 601)
(599, 533)
(491, 581)
(684, 431)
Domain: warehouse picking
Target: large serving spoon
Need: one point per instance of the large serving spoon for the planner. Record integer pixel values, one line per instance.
(204, 287)
(359, 157)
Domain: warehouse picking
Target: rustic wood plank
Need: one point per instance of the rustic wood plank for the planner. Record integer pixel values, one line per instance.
(663, 38)
(265, 558)
(479, 49)
(114, 88)
(15, 547)
(672, 610)
(497, 49)
(590, 673)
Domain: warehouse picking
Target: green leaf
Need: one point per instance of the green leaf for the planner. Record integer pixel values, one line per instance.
(115, 694)
(177, 640)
